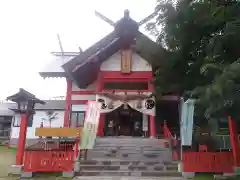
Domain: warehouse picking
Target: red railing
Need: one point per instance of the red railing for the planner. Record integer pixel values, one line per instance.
(166, 132)
(48, 161)
(168, 135)
(47, 156)
(208, 162)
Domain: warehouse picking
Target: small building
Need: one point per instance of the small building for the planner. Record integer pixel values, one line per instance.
(53, 109)
(6, 116)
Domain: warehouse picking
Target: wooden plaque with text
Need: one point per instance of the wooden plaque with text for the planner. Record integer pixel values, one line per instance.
(126, 61)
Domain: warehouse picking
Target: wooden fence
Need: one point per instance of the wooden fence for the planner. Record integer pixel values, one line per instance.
(48, 161)
(218, 162)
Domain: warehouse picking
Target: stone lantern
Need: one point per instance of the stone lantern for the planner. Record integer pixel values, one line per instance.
(25, 107)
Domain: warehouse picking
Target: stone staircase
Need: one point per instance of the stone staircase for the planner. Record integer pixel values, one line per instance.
(129, 156)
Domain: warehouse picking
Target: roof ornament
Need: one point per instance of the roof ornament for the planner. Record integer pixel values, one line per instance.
(126, 16)
(60, 44)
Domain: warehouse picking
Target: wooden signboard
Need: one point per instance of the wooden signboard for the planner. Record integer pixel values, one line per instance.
(59, 132)
(126, 61)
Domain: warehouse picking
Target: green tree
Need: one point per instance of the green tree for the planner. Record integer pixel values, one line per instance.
(201, 39)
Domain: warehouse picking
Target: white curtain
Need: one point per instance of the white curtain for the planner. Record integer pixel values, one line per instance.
(144, 109)
(114, 104)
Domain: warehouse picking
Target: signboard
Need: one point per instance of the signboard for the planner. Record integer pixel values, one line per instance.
(90, 128)
(126, 61)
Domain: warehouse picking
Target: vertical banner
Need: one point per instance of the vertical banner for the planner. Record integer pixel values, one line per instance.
(187, 113)
(90, 125)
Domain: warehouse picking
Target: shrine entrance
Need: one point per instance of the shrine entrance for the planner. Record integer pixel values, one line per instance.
(124, 121)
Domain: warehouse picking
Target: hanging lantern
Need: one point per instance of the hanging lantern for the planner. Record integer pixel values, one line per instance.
(102, 101)
(150, 104)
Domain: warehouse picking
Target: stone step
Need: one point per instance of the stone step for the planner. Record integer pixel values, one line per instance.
(158, 159)
(104, 161)
(132, 167)
(123, 152)
(137, 142)
(124, 178)
(132, 144)
(129, 138)
(129, 156)
(142, 148)
(130, 173)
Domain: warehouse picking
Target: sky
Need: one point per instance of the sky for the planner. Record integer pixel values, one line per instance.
(28, 33)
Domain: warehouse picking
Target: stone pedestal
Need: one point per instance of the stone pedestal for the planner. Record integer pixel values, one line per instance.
(68, 174)
(188, 175)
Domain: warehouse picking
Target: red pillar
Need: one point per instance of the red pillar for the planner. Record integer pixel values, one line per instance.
(99, 87)
(152, 126)
(234, 139)
(68, 103)
(101, 125)
(22, 139)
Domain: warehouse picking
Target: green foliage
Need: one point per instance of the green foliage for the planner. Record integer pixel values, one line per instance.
(201, 39)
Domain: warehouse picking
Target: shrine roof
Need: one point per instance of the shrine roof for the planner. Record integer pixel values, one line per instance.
(54, 67)
(83, 68)
(125, 35)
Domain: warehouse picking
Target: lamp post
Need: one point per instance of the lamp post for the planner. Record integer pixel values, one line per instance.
(25, 107)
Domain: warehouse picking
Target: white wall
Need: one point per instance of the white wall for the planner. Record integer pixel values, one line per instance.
(79, 107)
(37, 119)
(91, 87)
(84, 97)
(114, 63)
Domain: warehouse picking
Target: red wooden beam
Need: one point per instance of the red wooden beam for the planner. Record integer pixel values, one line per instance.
(119, 75)
(122, 90)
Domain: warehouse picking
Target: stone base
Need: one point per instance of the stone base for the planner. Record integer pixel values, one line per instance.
(188, 175)
(152, 137)
(180, 167)
(15, 170)
(68, 174)
(76, 166)
(26, 174)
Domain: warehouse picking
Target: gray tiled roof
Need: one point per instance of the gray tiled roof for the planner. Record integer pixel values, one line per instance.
(4, 109)
(50, 104)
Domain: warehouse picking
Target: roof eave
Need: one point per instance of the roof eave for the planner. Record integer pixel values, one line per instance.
(53, 74)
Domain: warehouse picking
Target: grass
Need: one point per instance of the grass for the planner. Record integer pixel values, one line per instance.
(7, 158)
(203, 178)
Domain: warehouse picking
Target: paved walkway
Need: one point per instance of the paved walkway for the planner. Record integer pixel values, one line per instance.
(125, 178)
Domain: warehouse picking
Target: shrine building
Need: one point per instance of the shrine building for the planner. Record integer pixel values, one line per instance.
(118, 72)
